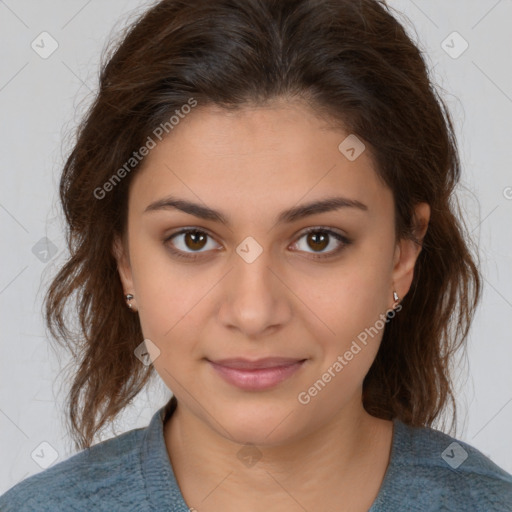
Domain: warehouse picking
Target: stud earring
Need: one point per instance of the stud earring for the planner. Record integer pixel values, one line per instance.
(128, 298)
(396, 298)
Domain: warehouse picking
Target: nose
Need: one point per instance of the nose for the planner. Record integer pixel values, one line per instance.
(255, 300)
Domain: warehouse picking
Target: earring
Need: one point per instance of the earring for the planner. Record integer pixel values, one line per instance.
(128, 298)
(396, 298)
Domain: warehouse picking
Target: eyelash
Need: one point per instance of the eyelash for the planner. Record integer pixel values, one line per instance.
(318, 229)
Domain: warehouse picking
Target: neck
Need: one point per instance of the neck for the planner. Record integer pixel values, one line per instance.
(348, 454)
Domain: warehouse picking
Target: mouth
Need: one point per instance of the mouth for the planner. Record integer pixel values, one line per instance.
(258, 374)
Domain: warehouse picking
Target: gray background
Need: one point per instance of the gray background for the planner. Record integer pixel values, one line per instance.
(42, 99)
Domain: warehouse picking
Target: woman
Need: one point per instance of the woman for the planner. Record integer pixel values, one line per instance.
(259, 207)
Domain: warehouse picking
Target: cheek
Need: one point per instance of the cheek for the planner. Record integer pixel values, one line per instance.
(354, 311)
(351, 305)
(165, 290)
(175, 335)
(171, 301)
(350, 300)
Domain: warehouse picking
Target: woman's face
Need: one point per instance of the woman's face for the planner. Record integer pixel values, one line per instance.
(255, 284)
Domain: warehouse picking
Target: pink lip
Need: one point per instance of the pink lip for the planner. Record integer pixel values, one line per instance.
(256, 375)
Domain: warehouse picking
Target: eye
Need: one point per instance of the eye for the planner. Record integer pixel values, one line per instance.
(319, 238)
(192, 239)
(189, 243)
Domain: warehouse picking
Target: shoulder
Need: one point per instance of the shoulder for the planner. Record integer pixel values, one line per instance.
(435, 471)
(92, 479)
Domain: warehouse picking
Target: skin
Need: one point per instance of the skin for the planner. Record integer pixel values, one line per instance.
(251, 165)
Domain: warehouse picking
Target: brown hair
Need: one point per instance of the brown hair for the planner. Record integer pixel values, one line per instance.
(351, 61)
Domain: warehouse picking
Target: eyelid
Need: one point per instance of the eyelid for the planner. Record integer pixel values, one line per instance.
(327, 229)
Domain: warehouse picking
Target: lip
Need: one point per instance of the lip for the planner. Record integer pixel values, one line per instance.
(256, 375)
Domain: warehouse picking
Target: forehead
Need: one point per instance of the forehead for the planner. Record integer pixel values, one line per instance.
(255, 158)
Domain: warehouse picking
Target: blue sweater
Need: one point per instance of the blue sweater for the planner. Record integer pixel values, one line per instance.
(428, 471)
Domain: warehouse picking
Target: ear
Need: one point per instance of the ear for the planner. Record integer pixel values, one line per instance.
(407, 251)
(120, 253)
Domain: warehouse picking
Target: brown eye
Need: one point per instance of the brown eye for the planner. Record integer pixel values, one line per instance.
(318, 239)
(189, 243)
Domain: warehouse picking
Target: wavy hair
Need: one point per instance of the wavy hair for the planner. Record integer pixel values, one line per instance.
(352, 62)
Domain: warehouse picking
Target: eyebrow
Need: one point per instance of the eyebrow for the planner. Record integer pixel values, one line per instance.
(286, 216)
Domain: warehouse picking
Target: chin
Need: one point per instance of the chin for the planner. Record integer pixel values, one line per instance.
(259, 424)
